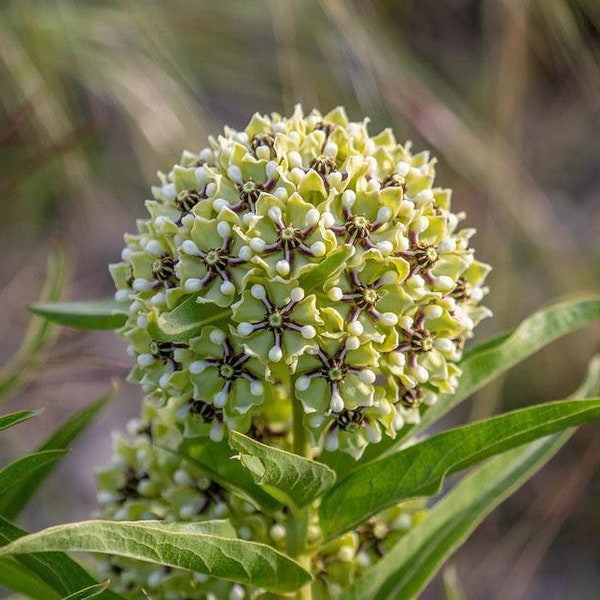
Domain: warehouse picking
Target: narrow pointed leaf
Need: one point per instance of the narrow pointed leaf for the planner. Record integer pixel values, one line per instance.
(13, 419)
(186, 321)
(296, 480)
(420, 469)
(482, 364)
(222, 557)
(417, 557)
(20, 470)
(92, 591)
(56, 570)
(16, 577)
(327, 268)
(14, 499)
(40, 334)
(94, 314)
(216, 460)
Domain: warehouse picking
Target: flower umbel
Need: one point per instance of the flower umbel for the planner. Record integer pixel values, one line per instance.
(246, 227)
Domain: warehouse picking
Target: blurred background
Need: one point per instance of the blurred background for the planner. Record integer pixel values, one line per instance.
(95, 96)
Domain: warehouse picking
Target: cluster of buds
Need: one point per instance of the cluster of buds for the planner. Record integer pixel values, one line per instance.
(243, 225)
(147, 481)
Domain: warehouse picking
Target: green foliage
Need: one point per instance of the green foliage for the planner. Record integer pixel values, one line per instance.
(295, 480)
(7, 421)
(92, 591)
(174, 546)
(43, 575)
(40, 334)
(21, 489)
(420, 469)
(96, 314)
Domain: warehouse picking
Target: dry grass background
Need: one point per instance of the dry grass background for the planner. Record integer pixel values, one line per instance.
(95, 96)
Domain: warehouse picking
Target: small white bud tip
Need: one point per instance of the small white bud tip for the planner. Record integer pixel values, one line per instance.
(312, 217)
(219, 204)
(433, 311)
(297, 294)
(257, 244)
(275, 214)
(275, 354)
(335, 294)
(277, 532)
(302, 383)
(169, 191)
(348, 199)
(193, 285)
(282, 267)
(337, 402)
(227, 288)
(223, 229)
(384, 214)
(256, 388)
(258, 291)
(197, 367)
(318, 248)
(142, 285)
(308, 332)
(216, 432)
(245, 329)
(234, 174)
(352, 343)
(355, 328)
(145, 360)
(217, 336)
(189, 247)
(389, 318)
(328, 219)
(366, 376)
(220, 399)
(444, 283)
(385, 247)
(245, 253)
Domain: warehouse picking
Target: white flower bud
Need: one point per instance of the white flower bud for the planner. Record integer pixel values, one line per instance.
(257, 245)
(234, 173)
(318, 248)
(217, 336)
(308, 332)
(335, 294)
(275, 354)
(193, 285)
(282, 267)
(355, 328)
(190, 247)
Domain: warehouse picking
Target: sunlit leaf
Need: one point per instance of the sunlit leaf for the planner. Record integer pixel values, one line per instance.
(215, 459)
(157, 542)
(289, 477)
(92, 591)
(95, 314)
(13, 419)
(54, 570)
(420, 469)
(15, 498)
(20, 470)
(186, 321)
(326, 269)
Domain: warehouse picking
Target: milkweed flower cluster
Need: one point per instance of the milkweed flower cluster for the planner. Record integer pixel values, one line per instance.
(300, 256)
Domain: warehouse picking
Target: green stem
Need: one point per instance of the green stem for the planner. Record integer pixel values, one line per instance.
(297, 526)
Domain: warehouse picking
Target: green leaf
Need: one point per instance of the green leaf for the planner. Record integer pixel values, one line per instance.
(157, 542)
(186, 321)
(327, 268)
(420, 469)
(215, 459)
(288, 477)
(53, 569)
(40, 334)
(482, 364)
(7, 421)
(415, 559)
(95, 314)
(22, 469)
(16, 577)
(15, 498)
(92, 591)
